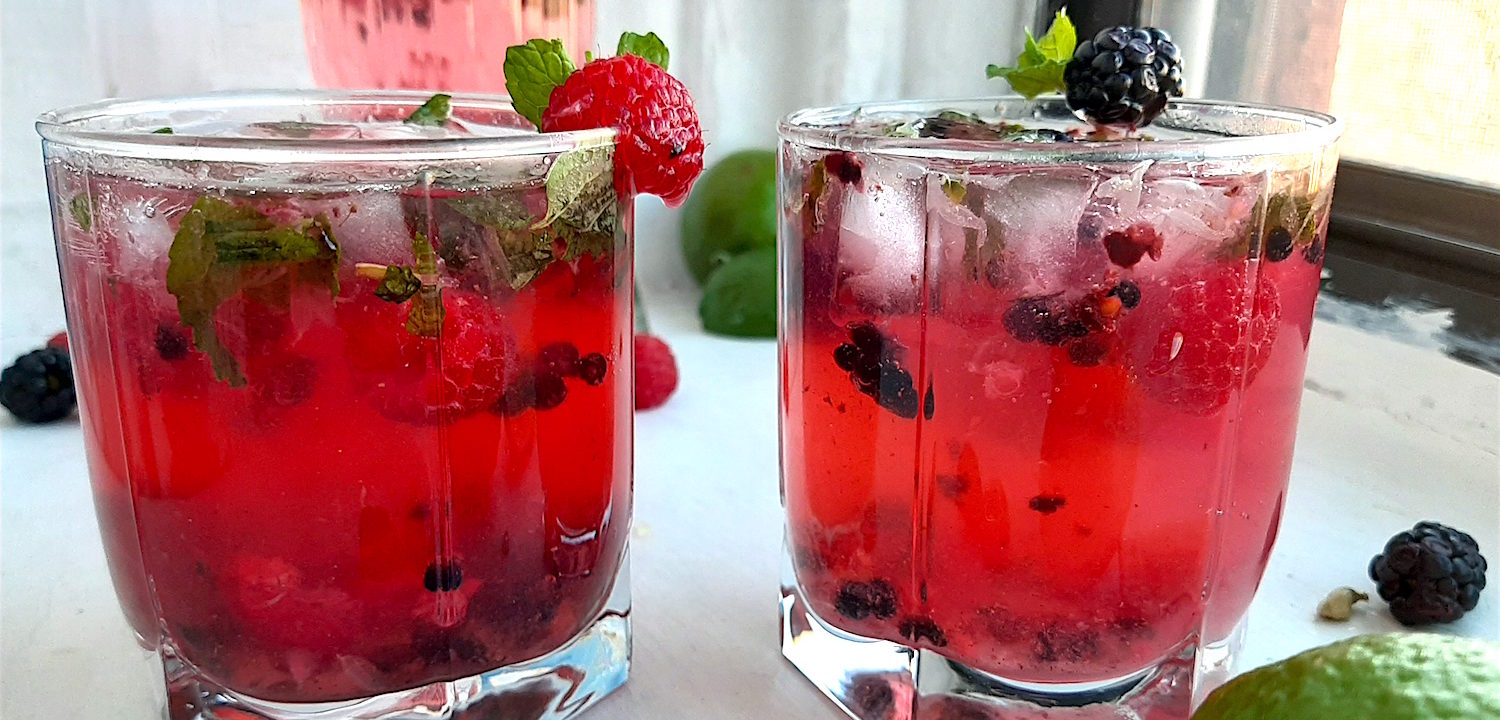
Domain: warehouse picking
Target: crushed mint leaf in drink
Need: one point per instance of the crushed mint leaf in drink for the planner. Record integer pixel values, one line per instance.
(433, 113)
(222, 249)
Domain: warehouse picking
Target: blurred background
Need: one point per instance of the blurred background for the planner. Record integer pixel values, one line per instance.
(1417, 81)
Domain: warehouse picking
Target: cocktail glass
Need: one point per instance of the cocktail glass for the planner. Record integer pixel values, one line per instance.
(356, 397)
(1039, 396)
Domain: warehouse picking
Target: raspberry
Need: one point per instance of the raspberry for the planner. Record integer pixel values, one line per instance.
(655, 372)
(1126, 248)
(38, 387)
(1429, 574)
(1198, 359)
(412, 378)
(659, 150)
(1124, 76)
(59, 341)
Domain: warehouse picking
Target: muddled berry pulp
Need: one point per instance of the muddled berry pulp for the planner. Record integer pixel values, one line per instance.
(1039, 508)
(373, 509)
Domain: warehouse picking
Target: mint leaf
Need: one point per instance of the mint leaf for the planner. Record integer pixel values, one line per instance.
(1061, 39)
(648, 46)
(162, 131)
(1039, 67)
(425, 318)
(506, 245)
(955, 190)
(398, 284)
(221, 249)
(531, 72)
(432, 113)
(78, 207)
(580, 188)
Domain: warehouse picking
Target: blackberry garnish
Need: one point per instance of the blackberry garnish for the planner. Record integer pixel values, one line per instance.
(917, 629)
(559, 358)
(1429, 574)
(592, 368)
(1124, 76)
(443, 576)
(171, 343)
(38, 387)
(1279, 244)
(858, 600)
(1128, 292)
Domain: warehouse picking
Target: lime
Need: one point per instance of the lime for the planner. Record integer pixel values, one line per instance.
(732, 210)
(1404, 676)
(740, 298)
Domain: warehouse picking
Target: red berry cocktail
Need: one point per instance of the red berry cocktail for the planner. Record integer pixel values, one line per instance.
(355, 380)
(1039, 392)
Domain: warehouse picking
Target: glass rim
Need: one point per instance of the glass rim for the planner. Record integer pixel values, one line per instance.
(69, 126)
(1317, 131)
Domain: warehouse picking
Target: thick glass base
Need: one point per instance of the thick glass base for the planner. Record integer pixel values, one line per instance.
(558, 685)
(880, 680)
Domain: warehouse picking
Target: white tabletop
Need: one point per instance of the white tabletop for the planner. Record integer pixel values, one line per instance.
(1390, 434)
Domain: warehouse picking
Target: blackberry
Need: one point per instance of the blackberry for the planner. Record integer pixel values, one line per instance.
(1313, 253)
(443, 577)
(1087, 352)
(171, 344)
(38, 387)
(1429, 574)
(550, 391)
(917, 629)
(1124, 76)
(1047, 504)
(1045, 319)
(1128, 292)
(871, 362)
(559, 358)
(592, 368)
(1279, 244)
(859, 600)
(518, 397)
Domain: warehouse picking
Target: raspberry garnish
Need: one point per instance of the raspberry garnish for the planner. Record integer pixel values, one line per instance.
(655, 372)
(59, 341)
(659, 148)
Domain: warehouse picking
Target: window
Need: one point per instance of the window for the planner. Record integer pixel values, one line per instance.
(1417, 84)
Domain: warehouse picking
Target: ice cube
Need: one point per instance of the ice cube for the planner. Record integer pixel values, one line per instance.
(883, 234)
(370, 228)
(1037, 216)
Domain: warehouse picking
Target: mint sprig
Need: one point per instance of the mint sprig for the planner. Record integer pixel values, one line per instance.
(222, 249)
(532, 71)
(433, 113)
(1039, 67)
(648, 46)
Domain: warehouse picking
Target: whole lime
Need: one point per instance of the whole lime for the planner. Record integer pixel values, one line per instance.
(740, 298)
(732, 210)
(1402, 676)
